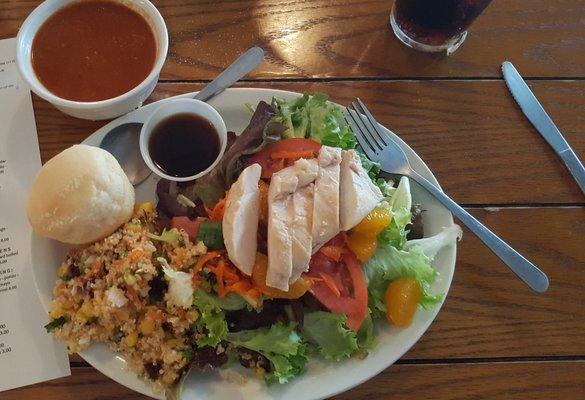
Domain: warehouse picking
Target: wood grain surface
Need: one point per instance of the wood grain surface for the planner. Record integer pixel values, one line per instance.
(351, 39)
(471, 134)
(465, 381)
(494, 338)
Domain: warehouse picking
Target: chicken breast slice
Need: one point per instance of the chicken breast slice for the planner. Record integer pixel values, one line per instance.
(326, 200)
(240, 220)
(302, 238)
(359, 195)
(280, 218)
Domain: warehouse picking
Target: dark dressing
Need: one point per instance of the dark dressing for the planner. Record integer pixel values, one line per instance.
(184, 145)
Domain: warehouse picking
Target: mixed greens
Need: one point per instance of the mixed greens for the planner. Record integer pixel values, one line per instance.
(394, 263)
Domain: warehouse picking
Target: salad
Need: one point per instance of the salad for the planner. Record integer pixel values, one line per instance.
(215, 274)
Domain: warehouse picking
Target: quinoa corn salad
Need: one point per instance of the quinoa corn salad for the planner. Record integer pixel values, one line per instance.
(166, 303)
(113, 291)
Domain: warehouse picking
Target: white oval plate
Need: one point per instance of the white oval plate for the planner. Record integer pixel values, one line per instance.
(321, 379)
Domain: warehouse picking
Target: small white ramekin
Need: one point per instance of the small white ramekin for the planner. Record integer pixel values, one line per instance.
(95, 110)
(182, 106)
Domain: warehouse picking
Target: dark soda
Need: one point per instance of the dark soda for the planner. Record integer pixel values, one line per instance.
(436, 22)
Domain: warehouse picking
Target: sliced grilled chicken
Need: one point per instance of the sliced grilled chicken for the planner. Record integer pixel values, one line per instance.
(326, 201)
(240, 220)
(280, 219)
(359, 195)
(302, 238)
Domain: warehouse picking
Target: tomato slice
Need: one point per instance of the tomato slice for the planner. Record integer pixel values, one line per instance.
(284, 153)
(350, 297)
(191, 226)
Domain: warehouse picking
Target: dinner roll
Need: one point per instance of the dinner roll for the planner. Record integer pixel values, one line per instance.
(79, 196)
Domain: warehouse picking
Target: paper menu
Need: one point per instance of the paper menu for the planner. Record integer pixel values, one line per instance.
(28, 353)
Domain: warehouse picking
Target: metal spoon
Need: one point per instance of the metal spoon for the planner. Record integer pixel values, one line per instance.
(122, 140)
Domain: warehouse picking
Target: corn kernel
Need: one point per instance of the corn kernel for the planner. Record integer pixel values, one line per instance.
(192, 315)
(173, 343)
(146, 326)
(56, 312)
(131, 339)
(67, 304)
(169, 378)
(146, 207)
(63, 271)
(80, 318)
(87, 309)
(133, 228)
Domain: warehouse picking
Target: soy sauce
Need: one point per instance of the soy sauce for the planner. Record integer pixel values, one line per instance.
(184, 145)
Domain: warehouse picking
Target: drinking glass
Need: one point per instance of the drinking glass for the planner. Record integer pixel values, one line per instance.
(434, 25)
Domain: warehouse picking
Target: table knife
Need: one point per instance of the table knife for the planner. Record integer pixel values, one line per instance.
(542, 122)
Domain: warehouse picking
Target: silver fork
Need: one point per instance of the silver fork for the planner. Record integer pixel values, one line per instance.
(381, 148)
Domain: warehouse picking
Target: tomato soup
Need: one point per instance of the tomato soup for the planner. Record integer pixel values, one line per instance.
(93, 50)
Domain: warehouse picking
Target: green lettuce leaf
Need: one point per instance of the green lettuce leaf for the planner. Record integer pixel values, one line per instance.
(211, 321)
(286, 368)
(400, 204)
(329, 333)
(365, 336)
(280, 344)
(209, 193)
(388, 264)
(432, 245)
(231, 302)
(313, 117)
(414, 260)
(171, 236)
(371, 167)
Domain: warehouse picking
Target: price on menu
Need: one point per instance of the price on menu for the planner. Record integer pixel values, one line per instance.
(4, 349)
(4, 330)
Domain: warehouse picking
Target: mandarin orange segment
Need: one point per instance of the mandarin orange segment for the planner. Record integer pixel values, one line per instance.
(402, 298)
(374, 222)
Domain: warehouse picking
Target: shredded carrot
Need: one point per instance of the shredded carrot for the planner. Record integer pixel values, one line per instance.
(330, 284)
(118, 264)
(133, 296)
(179, 258)
(196, 280)
(204, 259)
(254, 293)
(156, 316)
(294, 155)
(216, 213)
(218, 271)
(230, 274)
(97, 267)
(228, 278)
(241, 287)
(312, 279)
(135, 255)
(335, 253)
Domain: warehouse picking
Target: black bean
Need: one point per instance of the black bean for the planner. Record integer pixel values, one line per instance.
(153, 369)
(208, 357)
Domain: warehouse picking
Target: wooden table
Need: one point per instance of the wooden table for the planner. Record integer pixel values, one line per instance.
(494, 338)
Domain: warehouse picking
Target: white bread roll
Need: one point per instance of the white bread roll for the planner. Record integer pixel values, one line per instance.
(79, 196)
